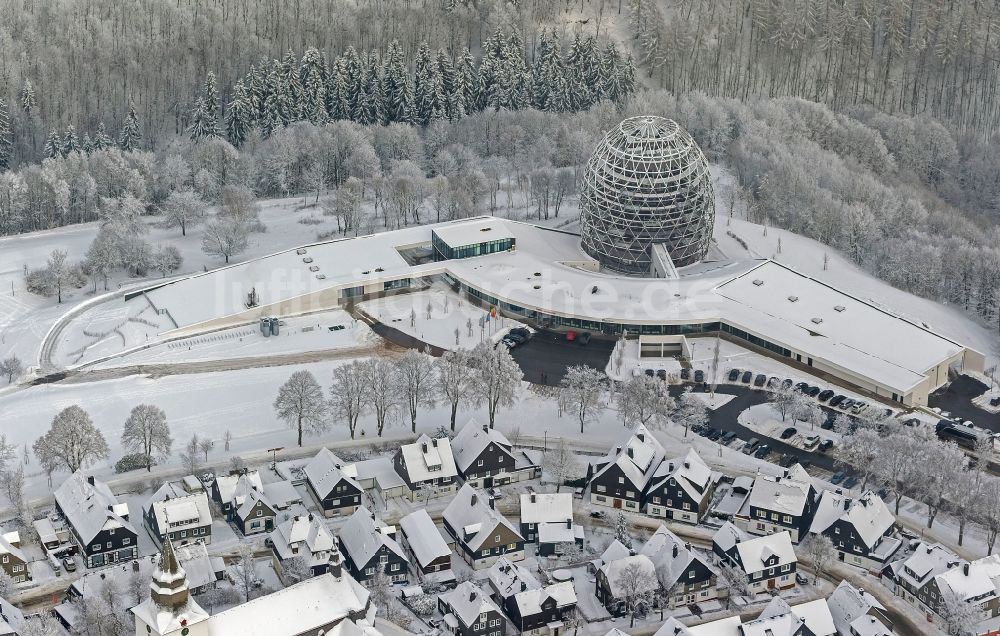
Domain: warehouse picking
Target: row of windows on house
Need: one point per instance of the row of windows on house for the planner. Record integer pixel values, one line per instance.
(184, 533)
(510, 547)
(626, 503)
(774, 516)
(96, 547)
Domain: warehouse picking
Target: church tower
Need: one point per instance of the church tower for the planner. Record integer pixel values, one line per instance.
(169, 610)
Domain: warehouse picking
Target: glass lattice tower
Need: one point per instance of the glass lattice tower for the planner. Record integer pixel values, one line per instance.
(646, 183)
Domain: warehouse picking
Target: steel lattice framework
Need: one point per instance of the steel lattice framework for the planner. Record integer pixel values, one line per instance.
(646, 183)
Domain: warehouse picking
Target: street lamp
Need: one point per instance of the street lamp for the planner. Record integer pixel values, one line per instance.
(274, 456)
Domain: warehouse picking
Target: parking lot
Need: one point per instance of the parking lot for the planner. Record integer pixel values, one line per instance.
(956, 399)
(545, 358)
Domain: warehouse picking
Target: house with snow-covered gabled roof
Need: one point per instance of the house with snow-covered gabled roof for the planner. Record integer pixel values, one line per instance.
(910, 577)
(468, 611)
(620, 479)
(428, 467)
(859, 527)
(547, 519)
(769, 562)
(682, 571)
(369, 545)
(481, 533)
(976, 583)
(532, 607)
(333, 483)
(179, 510)
(856, 612)
(12, 560)
(486, 458)
(229, 491)
(681, 489)
(99, 522)
(779, 502)
(616, 580)
(305, 537)
(430, 551)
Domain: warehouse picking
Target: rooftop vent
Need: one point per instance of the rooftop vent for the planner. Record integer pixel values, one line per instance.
(758, 282)
(307, 259)
(840, 308)
(379, 269)
(485, 229)
(817, 321)
(314, 268)
(321, 276)
(793, 299)
(300, 251)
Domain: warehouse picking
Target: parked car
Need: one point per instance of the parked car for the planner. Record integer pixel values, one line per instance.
(69, 564)
(715, 435)
(685, 373)
(734, 375)
(846, 404)
(911, 422)
(513, 340)
(524, 332)
(698, 428)
(825, 445)
(786, 460)
(837, 399)
(583, 338)
(810, 441)
(827, 424)
(801, 386)
(789, 432)
(598, 514)
(651, 373)
(812, 391)
(747, 376)
(750, 445)
(851, 482)
(727, 437)
(570, 336)
(859, 407)
(995, 401)
(773, 382)
(825, 395)
(762, 451)
(800, 579)
(786, 384)
(699, 376)
(661, 374)
(760, 380)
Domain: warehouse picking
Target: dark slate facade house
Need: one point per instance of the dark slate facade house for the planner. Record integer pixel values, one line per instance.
(482, 535)
(99, 522)
(621, 478)
(913, 578)
(330, 481)
(859, 528)
(532, 608)
(547, 519)
(180, 510)
(682, 489)
(769, 562)
(776, 503)
(683, 571)
(255, 514)
(229, 491)
(369, 545)
(468, 611)
(610, 587)
(12, 559)
(305, 537)
(431, 554)
(427, 467)
(486, 458)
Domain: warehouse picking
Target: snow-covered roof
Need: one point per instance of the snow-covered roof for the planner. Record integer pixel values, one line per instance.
(298, 609)
(199, 568)
(91, 507)
(844, 331)
(363, 534)
(728, 536)
(423, 537)
(638, 458)
(867, 514)
(778, 619)
(302, 535)
(753, 552)
(615, 550)
(850, 606)
(467, 602)
(973, 581)
(672, 627)
(546, 507)
(282, 494)
(470, 515)
(472, 233)
(529, 602)
(11, 618)
(925, 562)
(377, 472)
(786, 495)
(508, 578)
(729, 626)
(233, 488)
(249, 501)
(690, 472)
(428, 459)
(9, 542)
(669, 554)
(325, 471)
(559, 532)
(472, 440)
(613, 572)
(175, 507)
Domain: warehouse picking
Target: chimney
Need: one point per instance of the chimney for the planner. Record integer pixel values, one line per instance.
(423, 447)
(569, 524)
(135, 565)
(965, 568)
(90, 480)
(336, 567)
(532, 497)
(640, 436)
(472, 596)
(675, 550)
(434, 442)
(524, 586)
(687, 464)
(474, 499)
(310, 517)
(670, 467)
(486, 428)
(631, 453)
(777, 479)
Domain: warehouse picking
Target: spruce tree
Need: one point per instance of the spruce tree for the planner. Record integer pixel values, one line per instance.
(611, 63)
(426, 87)
(449, 83)
(101, 139)
(204, 118)
(338, 97)
(6, 137)
(88, 144)
(468, 85)
(53, 146)
(354, 78)
(271, 118)
(312, 79)
(130, 136)
(289, 89)
(372, 108)
(211, 95)
(256, 84)
(396, 91)
(28, 97)
(239, 116)
(540, 72)
(492, 68)
(71, 143)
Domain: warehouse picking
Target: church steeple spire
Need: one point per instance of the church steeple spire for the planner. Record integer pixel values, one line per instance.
(169, 588)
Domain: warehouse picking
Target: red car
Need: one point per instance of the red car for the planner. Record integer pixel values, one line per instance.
(570, 336)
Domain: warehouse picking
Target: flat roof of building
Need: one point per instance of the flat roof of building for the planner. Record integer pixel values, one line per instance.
(550, 273)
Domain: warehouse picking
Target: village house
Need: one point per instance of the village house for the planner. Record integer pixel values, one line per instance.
(304, 537)
(337, 492)
(533, 608)
(99, 522)
(622, 582)
(859, 528)
(370, 546)
(620, 479)
(431, 553)
(683, 573)
(681, 489)
(12, 559)
(179, 509)
(856, 612)
(486, 458)
(468, 611)
(482, 534)
(547, 519)
(428, 468)
(769, 562)
(779, 502)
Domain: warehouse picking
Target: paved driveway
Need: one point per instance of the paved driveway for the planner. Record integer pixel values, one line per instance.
(956, 398)
(550, 354)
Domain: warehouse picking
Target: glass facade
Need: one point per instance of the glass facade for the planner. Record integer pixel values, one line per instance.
(445, 252)
(396, 284)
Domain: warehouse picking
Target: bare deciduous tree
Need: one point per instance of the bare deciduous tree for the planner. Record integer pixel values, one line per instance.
(72, 442)
(348, 393)
(580, 392)
(146, 432)
(301, 405)
(414, 373)
(560, 463)
(455, 379)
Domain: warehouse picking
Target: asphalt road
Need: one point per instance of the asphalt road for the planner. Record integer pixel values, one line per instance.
(956, 398)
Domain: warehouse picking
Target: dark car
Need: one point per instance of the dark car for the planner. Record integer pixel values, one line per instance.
(704, 432)
(827, 424)
(763, 451)
(911, 422)
(825, 395)
(750, 445)
(825, 445)
(786, 384)
(786, 461)
(801, 386)
(812, 391)
(789, 432)
(685, 373)
(995, 401)
(715, 435)
(513, 340)
(759, 380)
(727, 437)
(598, 514)
(699, 376)
(734, 375)
(836, 478)
(747, 376)
(851, 482)
(651, 373)
(837, 399)
(583, 338)
(697, 428)
(773, 382)
(846, 404)
(521, 331)
(661, 374)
